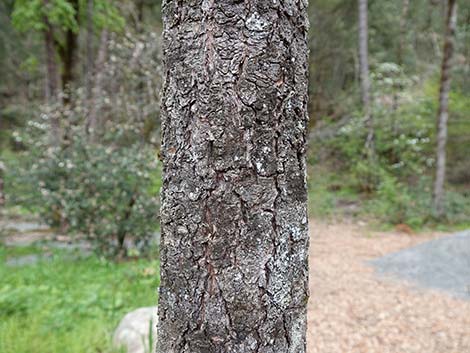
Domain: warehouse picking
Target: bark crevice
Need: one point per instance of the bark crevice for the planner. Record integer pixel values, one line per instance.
(234, 223)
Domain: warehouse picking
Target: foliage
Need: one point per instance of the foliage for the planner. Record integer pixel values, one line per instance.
(107, 190)
(130, 97)
(30, 14)
(109, 193)
(70, 304)
(398, 203)
(395, 185)
(458, 129)
(402, 148)
(106, 15)
(404, 96)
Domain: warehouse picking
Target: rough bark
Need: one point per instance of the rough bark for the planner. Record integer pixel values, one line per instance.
(234, 269)
(443, 113)
(364, 71)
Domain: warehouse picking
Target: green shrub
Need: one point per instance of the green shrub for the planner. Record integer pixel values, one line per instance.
(394, 203)
(395, 185)
(107, 192)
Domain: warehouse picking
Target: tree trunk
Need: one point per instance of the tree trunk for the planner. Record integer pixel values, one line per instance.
(443, 113)
(52, 78)
(2, 184)
(364, 72)
(68, 54)
(95, 105)
(51, 63)
(403, 30)
(89, 50)
(140, 7)
(68, 59)
(234, 252)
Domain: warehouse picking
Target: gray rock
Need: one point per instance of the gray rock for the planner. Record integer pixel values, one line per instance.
(82, 246)
(134, 330)
(23, 226)
(442, 264)
(23, 260)
(26, 239)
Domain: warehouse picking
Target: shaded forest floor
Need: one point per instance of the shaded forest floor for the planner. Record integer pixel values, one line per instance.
(351, 309)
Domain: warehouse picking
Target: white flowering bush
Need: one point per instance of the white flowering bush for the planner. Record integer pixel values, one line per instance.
(105, 187)
(403, 128)
(394, 184)
(107, 192)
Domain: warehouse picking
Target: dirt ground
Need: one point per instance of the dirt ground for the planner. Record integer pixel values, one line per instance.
(351, 309)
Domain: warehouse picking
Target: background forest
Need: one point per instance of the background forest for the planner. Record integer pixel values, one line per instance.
(80, 86)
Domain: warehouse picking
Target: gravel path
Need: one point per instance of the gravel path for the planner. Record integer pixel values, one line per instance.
(352, 309)
(442, 264)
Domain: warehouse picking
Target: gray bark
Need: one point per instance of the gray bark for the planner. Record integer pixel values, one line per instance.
(51, 64)
(2, 184)
(93, 122)
(403, 30)
(89, 50)
(234, 251)
(443, 113)
(52, 77)
(364, 71)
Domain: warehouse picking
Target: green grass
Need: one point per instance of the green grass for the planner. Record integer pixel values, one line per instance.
(69, 306)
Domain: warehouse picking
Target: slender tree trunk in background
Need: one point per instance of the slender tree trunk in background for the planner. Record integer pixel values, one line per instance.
(89, 51)
(364, 72)
(68, 59)
(51, 63)
(466, 47)
(95, 104)
(434, 37)
(67, 54)
(52, 78)
(443, 114)
(2, 184)
(403, 30)
(140, 5)
(234, 253)
(431, 6)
